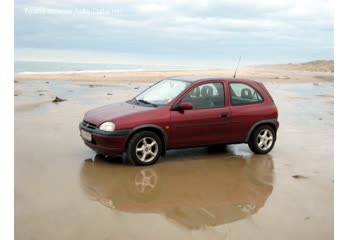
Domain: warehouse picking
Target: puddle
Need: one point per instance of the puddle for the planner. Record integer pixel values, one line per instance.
(208, 190)
(304, 90)
(82, 92)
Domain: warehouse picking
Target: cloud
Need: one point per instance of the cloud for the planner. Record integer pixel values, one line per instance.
(152, 8)
(197, 30)
(212, 22)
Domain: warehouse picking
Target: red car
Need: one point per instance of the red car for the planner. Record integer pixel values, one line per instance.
(181, 112)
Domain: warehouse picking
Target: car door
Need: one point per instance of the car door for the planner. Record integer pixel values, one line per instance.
(207, 123)
(246, 107)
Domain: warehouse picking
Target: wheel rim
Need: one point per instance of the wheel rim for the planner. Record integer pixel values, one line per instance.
(265, 139)
(146, 149)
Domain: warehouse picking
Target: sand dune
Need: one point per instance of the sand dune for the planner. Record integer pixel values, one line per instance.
(314, 66)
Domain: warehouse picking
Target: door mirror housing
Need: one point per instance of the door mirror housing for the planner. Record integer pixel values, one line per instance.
(185, 106)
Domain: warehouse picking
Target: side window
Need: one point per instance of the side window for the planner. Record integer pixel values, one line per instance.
(209, 95)
(243, 94)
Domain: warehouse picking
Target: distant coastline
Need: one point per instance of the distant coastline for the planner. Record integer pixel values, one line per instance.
(32, 67)
(303, 72)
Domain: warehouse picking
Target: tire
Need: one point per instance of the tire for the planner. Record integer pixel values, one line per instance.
(144, 148)
(259, 142)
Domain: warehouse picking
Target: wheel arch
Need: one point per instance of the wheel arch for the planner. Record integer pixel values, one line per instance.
(153, 128)
(271, 122)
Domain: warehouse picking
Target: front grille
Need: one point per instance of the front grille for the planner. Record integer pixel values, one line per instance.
(89, 125)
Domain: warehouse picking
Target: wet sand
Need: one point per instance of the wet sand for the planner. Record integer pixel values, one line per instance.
(64, 191)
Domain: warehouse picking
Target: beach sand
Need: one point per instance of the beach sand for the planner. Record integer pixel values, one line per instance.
(64, 191)
(271, 73)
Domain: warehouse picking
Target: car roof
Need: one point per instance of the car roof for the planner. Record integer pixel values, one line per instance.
(197, 78)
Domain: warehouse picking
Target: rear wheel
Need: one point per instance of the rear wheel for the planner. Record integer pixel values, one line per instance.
(262, 139)
(144, 148)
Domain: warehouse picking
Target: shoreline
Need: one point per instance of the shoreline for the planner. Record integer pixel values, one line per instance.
(259, 74)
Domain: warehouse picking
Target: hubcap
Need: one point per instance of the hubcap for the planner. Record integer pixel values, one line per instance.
(265, 139)
(146, 149)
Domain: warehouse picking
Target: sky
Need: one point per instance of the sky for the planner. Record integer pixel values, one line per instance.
(184, 32)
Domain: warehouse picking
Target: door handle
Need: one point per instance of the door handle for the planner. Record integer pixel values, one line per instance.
(225, 115)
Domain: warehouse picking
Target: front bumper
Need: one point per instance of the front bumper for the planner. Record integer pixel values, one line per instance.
(106, 143)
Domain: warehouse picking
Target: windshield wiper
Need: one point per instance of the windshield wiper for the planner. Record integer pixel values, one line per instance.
(146, 102)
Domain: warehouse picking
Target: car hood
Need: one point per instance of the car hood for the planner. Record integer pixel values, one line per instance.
(112, 111)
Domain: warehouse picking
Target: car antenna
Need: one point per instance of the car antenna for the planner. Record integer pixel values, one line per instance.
(239, 60)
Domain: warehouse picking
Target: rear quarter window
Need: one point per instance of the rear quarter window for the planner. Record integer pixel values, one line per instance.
(242, 94)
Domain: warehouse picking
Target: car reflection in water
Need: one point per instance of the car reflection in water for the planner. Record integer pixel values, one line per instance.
(199, 191)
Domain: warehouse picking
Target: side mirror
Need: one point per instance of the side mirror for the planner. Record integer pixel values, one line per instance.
(185, 106)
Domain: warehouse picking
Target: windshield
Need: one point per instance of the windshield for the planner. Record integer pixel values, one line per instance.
(163, 92)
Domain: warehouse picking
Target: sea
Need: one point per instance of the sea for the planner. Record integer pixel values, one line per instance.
(57, 67)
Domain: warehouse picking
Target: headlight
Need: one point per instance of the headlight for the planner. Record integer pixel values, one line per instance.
(107, 126)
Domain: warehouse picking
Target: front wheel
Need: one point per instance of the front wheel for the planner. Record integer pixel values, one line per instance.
(144, 148)
(262, 140)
